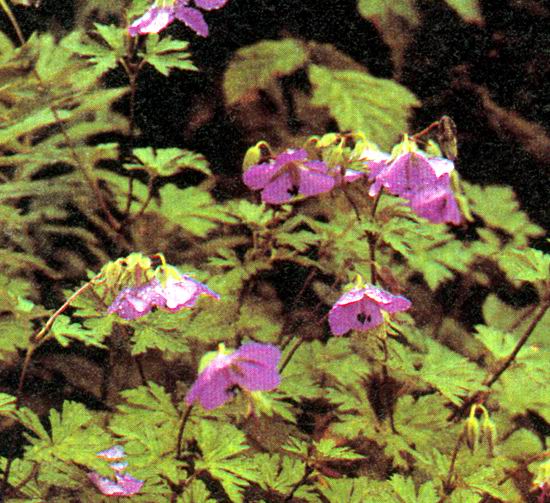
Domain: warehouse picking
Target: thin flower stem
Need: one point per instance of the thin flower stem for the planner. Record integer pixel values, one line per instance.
(7, 10)
(425, 131)
(447, 485)
(523, 339)
(184, 419)
(372, 241)
(290, 354)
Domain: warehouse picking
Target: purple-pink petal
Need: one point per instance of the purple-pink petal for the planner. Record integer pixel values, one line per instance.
(153, 21)
(253, 367)
(184, 293)
(210, 4)
(360, 309)
(193, 18)
(279, 190)
(212, 386)
(362, 315)
(290, 155)
(387, 301)
(255, 376)
(105, 485)
(114, 453)
(259, 175)
(313, 183)
(437, 204)
(266, 354)
(129, 484)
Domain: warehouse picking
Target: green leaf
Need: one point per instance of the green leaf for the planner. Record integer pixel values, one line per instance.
(192, 209)
(64, 331)
(499, 343)
(526, 265)
(405, 489)
(395, 21)
(196, 492)
(168, 161)
(450, 373)
(257, 66)
(221, 444)
(7, 404)
(359, 490)
(278, 473)
(167, 54)
(498, 208)
(468, 10)
(115, 36)
(378, 107)
(327, 450)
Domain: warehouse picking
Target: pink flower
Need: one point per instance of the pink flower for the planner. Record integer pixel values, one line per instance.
(424, 181)
(360, 309)
(124, 484)
(288, 175)
(253, 367)
(163, 12)
(135, 302)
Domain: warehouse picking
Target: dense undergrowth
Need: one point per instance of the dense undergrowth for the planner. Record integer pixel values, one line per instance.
(345, 219)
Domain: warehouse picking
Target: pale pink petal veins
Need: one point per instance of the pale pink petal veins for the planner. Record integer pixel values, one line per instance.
(312, 183)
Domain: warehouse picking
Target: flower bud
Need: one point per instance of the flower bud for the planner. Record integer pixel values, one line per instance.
(472, 431)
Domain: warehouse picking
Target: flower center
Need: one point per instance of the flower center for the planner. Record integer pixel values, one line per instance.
(361, 318)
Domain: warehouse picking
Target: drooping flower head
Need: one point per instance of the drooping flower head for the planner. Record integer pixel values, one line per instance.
(253, 367)
(424, 181)
(123, 484)
(289, 174)
(360, 308)
(163, 12)
(174, 292)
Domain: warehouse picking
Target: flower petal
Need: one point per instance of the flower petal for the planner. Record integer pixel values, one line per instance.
(128, 484)
(255, 376)
(210, 4)
(193, 18)
(114, 453)
(153, 21)
(211, 388)
(312, 183)
(266, 354)
(105, 485)
(385, 300)
(278, 190)
(258, 176)
(437, 204)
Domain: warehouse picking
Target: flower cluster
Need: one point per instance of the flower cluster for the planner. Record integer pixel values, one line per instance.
(253, 367)
(163, 12)
(424, 181)
(123, 483)
(175, 294)
(360, 309)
